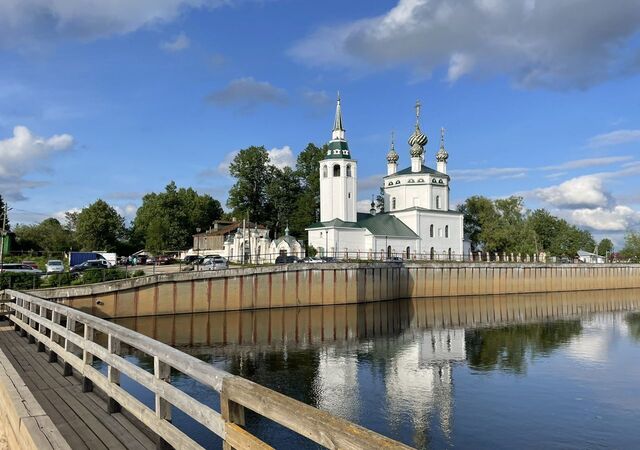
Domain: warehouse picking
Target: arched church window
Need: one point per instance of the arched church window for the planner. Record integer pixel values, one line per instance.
(325, 172)
(390, 183)
(421, 180)
(446, 231)
(408, 252)
(432, 253)
(411, 180)
(348, 170)
(389, 251)
(449, 252)
(440, 181)
(393, 203)
(437, 202)
(434, 180)
(431, 230)
(336, 170)
(398, 182)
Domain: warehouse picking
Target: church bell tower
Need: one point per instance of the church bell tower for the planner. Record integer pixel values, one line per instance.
(338, 176)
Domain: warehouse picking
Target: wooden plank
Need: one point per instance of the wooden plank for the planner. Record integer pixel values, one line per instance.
(90, 418)
(319, 426)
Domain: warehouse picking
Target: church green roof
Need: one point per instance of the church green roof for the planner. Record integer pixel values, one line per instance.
(379, 225)
(338, 150)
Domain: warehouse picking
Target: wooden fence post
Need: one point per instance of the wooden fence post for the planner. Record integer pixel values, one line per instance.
(55, 318)
(87, 359)
(162, 371)
(42, 312)
(113, 375)
(68, 346)
(231, 412)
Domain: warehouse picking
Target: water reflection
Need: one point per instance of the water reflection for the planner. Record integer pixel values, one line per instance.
(433, 373)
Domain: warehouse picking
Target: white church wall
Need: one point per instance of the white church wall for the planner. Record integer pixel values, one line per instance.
(442, 240)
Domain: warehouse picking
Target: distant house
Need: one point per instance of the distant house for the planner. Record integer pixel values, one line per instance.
(591, 258)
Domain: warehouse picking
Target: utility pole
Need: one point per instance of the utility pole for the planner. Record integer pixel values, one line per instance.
(4, 225)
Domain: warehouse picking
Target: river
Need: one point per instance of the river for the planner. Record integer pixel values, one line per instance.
(526, 371)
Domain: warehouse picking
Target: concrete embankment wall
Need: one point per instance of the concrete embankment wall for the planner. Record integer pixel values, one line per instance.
(331, 284)
(23, 423)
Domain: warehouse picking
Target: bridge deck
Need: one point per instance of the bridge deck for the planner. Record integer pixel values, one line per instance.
(81, 418)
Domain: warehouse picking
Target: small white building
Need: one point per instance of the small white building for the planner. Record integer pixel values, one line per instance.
(591, 258)
(417, 221)
(286, 246)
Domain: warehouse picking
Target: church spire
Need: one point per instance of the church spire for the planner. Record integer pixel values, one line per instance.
(338, 128)
(417, 141)
(442, 155)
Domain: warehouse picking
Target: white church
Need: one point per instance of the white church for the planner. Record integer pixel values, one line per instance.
(416, 222)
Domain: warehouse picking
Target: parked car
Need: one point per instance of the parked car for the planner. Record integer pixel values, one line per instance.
(151, 261)
(328, 259)
(395, 259)
(54, 266)
(190, 259)
(30, 263)
(20, 268)
(312, 260)
(91, 264)
(165, 260)
(214, 262)
(287, 259)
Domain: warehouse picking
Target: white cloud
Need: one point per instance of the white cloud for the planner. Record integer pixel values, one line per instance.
(589, 162)
(618, 218)
(179, 43)
(488, 172)
(24, 153)
(542, 43)
(33, 22)
(580, 192)
(246, 93)
(127, 211)
(282, 157)
(614, 138)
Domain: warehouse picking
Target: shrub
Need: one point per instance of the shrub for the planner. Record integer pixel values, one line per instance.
(19, 281)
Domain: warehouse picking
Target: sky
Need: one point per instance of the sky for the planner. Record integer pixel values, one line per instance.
(114, 99)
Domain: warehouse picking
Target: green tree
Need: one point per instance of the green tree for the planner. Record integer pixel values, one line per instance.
(307, 207)
(49, 235)
(283, 192)
(631, 249)
(248, 196)
(99, 227)
(479, 213)
(380, 200)
(168, 220)
(605, 246)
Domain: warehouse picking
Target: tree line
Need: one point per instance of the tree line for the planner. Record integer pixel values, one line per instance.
(506, 226)
(278, 197)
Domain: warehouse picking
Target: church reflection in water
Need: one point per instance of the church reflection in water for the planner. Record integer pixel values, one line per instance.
(388, 365)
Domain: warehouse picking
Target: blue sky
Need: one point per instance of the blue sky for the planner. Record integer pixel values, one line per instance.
(115, 99)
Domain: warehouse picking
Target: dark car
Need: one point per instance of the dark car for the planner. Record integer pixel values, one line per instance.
(91, 264)
(284, 259)
(190, 259)
(329, 259)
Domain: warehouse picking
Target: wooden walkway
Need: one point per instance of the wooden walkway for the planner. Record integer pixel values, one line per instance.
(81, 418)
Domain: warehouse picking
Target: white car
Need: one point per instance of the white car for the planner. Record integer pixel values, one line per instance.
(54, 266)
(214, 262)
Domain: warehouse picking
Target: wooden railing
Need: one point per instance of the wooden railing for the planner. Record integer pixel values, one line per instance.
(69, 334)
